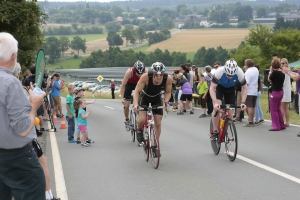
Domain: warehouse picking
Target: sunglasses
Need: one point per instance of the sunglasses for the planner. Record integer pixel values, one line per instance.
(158, 75)
(230, 76)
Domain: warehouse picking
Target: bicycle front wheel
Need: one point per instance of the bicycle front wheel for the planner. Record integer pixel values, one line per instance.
(132, 125)
(146, 144)
(154, 149)
(231, 141)
(215, 143)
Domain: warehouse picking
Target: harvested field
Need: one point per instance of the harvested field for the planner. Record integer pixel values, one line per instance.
(192, 40)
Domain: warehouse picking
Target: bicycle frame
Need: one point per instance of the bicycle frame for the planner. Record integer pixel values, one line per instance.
(149, 122)
(222, 127)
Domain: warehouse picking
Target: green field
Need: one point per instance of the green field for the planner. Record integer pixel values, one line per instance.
(72, 63)
(87, 37)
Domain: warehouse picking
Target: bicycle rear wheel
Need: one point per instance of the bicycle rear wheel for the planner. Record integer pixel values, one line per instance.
(146, 145)
(154, 149)
(231, 141)
(215, 144)
(132, 125)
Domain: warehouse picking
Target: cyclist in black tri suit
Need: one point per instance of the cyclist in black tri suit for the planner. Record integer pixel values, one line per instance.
(149, 89)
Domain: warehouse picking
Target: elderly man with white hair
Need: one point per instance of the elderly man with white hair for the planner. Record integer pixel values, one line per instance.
(21, 175)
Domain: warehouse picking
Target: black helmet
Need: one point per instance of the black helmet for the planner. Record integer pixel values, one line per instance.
(158, 68)
(139, 67)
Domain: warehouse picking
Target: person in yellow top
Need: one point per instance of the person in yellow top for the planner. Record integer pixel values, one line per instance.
(202, 88)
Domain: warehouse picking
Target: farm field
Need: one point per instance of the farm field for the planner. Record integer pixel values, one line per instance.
(192, 40)
(87, 37)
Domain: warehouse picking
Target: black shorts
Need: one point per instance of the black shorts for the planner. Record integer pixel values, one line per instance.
(184, 97)
(251, 101)
(128, 91)
(37, 148)
(40, 110)
(155, 101)
(227, 93)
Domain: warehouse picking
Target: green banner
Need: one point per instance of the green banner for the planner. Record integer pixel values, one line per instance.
(40, 66)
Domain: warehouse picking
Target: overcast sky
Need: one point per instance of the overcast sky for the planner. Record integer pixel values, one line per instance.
(80, 0)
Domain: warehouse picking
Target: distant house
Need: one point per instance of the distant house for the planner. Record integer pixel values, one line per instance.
(264, 20)
(205, 23)
(181, 20)
(119, 19)
(286, 16)
(141, 18)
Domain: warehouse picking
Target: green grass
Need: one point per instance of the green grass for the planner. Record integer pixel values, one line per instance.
(87, 37)
(72, 63)
(142, 49)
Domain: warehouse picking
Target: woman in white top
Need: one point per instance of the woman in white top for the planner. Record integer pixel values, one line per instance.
(286, 99)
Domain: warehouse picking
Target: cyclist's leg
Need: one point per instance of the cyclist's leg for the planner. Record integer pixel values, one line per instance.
(229, 97)
(214, 118)
(141, 119)
(127, 97)
(157, 121)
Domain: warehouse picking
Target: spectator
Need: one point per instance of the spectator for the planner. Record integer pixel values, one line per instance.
(112, 87)
(251, 76)
(187, 92)
(17, 70)
(217, 64)
(196, 78)
(202, 87)
(208, 78)
(70, 115)
(259, 118)
(17, 131)
(175, 82)
(277, 79)
(57, 86)
(26, 73)
(31, 80)
(287, 90)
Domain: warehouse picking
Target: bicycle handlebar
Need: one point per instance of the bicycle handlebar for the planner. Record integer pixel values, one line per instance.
(225, 107)
(144, 107)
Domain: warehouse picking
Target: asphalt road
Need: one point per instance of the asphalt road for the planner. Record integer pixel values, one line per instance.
(267, 166)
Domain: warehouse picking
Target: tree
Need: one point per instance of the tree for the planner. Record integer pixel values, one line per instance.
(243, 24)
(114, 39)
(64, 43)
(141, 33)
(117, 11)
(78, 44)
(113, 26)
(105, 17)
(127, 34)
(23, 20)
(52, 49)
(261, 12)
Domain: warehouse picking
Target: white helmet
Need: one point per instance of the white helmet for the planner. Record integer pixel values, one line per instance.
(158, 68)
(231, 67)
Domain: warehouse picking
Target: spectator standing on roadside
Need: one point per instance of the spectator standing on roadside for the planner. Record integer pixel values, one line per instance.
(259, 118)
(70, 115)
(287, 90)
(277, 79)
(251, 76)
(31, 80)
(208, 78)
(202, 88)
(17, 115)
(57, 86)
(112, 87)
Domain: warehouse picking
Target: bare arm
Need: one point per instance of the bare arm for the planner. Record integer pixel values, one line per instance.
(139, 87)
(86, 115)
(212, 91)
(124, 82)
(168, 89)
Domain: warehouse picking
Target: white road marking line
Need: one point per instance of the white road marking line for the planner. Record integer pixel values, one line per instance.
(109, 107)
(61, 190)
(277, 172)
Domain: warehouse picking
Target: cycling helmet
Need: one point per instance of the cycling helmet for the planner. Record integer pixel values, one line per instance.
(139, 67)
(231, 67)
(158, 68)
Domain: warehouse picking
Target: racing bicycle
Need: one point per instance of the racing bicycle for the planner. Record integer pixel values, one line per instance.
(151, 143)
(227, 133)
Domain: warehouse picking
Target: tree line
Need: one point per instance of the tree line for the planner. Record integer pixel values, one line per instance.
(115, 57)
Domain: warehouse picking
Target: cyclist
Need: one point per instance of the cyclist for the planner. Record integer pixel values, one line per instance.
(222, 86)
(149, 89)
(132, 76)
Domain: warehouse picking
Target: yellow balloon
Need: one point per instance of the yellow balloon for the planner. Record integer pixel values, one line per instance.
(37, 121)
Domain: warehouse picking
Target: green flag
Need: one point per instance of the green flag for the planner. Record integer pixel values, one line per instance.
(40, 66)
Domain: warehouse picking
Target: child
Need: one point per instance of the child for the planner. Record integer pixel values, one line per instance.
(70, 115)
(81, 116)
(202, 88)
(79, 93)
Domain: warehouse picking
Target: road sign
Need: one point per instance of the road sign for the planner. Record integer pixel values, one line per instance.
(100, 78)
